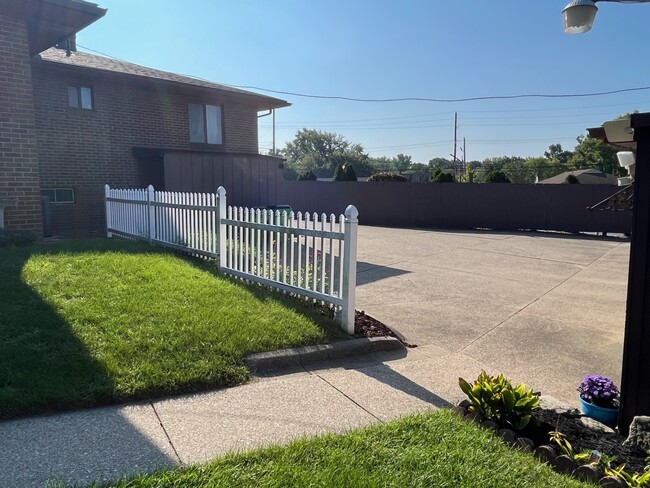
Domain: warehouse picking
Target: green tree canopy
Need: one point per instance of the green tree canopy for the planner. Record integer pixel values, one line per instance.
(440, 163)
(321, 152)
(594, 153)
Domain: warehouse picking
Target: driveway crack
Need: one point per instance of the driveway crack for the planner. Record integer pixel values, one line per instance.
(162, 426)
(518, 311)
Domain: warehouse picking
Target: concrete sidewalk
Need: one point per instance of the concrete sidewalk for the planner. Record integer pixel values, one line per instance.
(106, 444)
(527, 305)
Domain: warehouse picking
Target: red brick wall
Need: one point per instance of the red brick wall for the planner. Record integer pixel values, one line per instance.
(85, 149)
(18, 155)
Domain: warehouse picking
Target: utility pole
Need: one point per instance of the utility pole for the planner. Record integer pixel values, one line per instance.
(455, 143)
(464, 157)
(274, 132)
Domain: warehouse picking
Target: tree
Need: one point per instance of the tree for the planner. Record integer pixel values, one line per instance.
(510, 165)
(571, 180)
(542, 168)
(307, 176)
(556, 153)
(440, 163)
(350, 174)
(339, 174)
(440, 176)
(321, 152)
(386, 176)
(401, 162)
(594, 153)
(497, 177)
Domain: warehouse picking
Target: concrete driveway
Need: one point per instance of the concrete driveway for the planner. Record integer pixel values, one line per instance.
(541, 308)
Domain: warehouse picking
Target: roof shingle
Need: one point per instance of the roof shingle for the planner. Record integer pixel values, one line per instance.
(101, 63)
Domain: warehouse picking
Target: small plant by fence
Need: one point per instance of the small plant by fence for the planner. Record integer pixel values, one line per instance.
(309, 255)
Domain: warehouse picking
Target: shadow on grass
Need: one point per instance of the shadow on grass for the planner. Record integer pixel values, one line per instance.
(45, 367)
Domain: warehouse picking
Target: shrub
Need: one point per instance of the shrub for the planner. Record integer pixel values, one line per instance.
(350, 174)
(497, 177)
(571, 180)
(339, 174)
(16, 237)
(497, 400)
(388, 176)
(307, 176)
(439, 176)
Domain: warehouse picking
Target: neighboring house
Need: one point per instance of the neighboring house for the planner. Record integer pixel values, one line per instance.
(72, 122)
(585, 177)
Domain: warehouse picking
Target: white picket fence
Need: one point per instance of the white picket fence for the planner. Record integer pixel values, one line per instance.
(308, 255)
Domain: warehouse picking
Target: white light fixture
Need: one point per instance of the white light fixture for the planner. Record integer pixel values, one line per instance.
(579, 16)
(625, 158)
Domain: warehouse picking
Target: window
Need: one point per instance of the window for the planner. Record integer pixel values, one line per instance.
(205, 123)
(59, 195)
(80, 97)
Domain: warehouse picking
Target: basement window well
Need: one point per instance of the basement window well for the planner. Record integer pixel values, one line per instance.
(59, 195)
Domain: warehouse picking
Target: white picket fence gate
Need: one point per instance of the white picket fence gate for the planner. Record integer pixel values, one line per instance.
(305, 254)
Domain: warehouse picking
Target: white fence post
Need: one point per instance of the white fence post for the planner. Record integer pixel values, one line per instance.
(107, 204)
(221, 227)
(150, 213)
(349, 268)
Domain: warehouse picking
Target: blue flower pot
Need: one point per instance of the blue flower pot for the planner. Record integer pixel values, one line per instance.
(607, 416)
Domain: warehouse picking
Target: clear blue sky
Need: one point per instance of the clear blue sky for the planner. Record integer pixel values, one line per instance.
(393, 49)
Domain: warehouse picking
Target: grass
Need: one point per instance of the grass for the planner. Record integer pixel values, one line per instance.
(91, 322)
(428, 450)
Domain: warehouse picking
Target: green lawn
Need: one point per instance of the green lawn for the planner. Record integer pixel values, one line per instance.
(90, 322)
(431, 450)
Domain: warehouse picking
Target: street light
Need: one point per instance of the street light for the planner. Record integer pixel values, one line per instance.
(579, 15)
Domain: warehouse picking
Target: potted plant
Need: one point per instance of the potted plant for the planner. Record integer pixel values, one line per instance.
(599, 398)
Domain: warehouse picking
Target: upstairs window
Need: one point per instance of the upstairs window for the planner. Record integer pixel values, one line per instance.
(80, 97)
(205, 124)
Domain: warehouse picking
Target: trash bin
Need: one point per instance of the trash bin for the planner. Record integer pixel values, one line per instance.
(285, 211)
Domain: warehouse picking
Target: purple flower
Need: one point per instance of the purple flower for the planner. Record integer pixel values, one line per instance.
(599, 390)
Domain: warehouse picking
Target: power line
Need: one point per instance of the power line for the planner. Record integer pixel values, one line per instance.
(443, 100)
(414, 99)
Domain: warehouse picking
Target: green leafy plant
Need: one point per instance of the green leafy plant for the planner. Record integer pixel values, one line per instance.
(571, 180)
(496, 399)
(497, 177)
(633, 480)
(350, 174)
(307, 176)
(584, 457)
(387, 176)
(440, 176)
(16, 237)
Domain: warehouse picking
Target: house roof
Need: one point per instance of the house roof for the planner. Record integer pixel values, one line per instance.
(86, 61)
(585, 176)
(51, 21)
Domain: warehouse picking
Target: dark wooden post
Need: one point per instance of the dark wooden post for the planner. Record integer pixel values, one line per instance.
(635, 383)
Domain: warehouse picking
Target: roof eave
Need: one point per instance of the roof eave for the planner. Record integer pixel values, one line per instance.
(261, 102)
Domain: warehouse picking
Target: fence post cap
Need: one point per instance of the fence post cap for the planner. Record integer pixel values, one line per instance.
(221, 191)
(150, 188)
(351, 213)
(106, 187)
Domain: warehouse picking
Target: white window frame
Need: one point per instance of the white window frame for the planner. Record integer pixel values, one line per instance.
(208, 120)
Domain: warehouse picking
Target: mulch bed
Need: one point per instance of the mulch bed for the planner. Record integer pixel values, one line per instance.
(587, 437)
(367, 326)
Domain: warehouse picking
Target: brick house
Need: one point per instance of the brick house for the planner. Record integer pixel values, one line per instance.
(71, 122)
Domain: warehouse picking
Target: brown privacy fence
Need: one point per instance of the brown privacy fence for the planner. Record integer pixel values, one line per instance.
(462, 206)
(254, 180)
